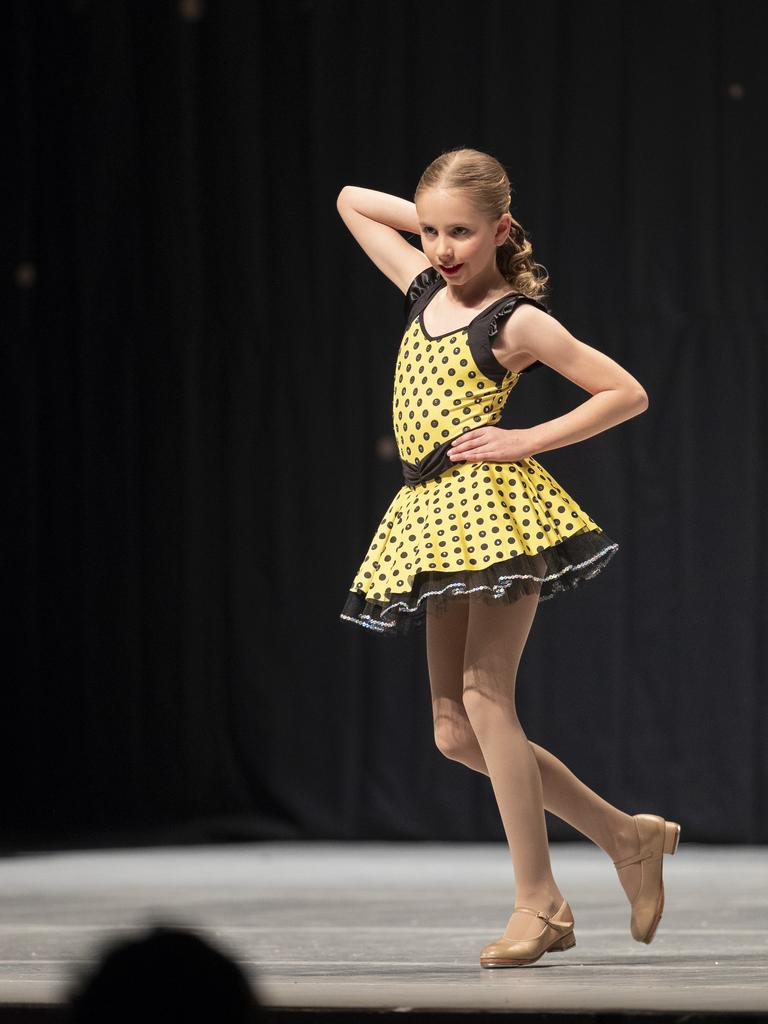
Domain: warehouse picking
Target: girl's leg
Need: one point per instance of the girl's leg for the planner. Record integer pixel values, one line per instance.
(567, 797)
(564, 794)
(446, 638)
(496, 636)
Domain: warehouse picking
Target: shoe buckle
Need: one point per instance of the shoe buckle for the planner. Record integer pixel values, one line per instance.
(547, 918)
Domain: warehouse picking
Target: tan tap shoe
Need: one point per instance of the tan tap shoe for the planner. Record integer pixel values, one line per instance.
(657, 837)
(556, 934)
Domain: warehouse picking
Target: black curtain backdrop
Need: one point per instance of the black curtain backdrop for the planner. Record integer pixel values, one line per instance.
(199, 363)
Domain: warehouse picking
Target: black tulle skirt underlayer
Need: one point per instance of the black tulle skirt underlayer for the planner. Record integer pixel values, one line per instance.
(554, 570)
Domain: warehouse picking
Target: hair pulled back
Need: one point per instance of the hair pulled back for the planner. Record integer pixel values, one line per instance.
(485, 182)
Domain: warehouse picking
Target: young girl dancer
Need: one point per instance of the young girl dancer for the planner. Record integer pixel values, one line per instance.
(480, 533)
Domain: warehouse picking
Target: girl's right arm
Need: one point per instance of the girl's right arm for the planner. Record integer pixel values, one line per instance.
(376, 220)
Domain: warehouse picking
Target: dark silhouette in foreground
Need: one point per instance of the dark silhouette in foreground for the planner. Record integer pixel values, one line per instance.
(168, 974)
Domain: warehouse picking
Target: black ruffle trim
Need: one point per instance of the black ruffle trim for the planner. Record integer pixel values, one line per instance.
(554, 570)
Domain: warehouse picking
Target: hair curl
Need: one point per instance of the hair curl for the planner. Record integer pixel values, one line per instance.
(485, 181)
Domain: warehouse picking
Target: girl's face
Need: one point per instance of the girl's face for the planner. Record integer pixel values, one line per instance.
(454, 235)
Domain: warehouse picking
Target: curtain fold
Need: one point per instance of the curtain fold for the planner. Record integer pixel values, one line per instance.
(200, 364)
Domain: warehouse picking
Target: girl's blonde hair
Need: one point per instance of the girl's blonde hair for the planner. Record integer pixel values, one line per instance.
(485, 181)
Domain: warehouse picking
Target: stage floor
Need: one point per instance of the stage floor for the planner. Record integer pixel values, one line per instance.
(396, 926)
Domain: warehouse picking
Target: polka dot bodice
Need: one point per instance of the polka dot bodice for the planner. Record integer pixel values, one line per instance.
(441, 392)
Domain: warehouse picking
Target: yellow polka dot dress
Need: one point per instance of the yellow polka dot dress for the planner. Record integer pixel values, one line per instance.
(493, 529)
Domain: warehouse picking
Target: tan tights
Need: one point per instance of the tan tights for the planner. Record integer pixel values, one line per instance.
(473, 653)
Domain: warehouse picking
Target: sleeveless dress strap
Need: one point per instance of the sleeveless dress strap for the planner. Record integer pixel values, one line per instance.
(484, 327)
(509, 306)
(419, 291)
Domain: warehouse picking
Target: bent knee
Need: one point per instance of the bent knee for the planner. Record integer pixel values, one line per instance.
(455, 740)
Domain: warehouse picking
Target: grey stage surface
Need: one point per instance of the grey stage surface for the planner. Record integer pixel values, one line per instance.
(396, 925)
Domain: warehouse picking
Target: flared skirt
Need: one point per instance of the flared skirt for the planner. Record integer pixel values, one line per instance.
(493, 530)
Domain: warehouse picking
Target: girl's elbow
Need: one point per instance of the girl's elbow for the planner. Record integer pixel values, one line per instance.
(344, 193)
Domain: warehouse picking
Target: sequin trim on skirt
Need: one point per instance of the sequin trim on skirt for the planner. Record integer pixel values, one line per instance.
(554, 570)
